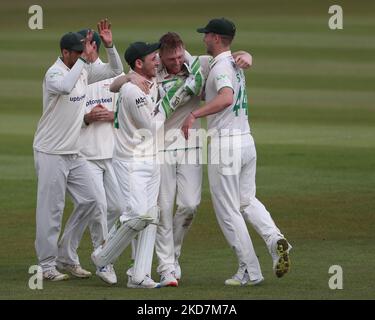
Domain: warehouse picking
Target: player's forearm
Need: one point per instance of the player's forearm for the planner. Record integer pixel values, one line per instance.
(66, 84)
(114, 61)
(132, 77)
(219, 103)
(108, 70)
(117, 83)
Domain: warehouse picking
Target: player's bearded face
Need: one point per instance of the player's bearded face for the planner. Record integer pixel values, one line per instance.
(150, 65)
(173, 60)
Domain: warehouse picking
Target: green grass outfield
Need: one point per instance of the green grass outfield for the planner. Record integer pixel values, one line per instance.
(312, 113)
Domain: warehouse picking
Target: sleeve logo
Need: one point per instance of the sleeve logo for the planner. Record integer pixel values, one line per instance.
(222, 77)
(55, 74)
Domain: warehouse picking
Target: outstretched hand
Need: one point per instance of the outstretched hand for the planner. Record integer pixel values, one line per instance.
(105, 32)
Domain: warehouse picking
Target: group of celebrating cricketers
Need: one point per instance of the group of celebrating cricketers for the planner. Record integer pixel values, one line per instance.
(126, 147)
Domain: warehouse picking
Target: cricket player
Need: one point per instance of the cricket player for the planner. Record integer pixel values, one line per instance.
(139, 120)
(180, 178)
(59, 167)
(232, 178)
(96, 145)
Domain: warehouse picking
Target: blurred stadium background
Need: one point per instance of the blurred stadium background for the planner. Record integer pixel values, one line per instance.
(312, 112)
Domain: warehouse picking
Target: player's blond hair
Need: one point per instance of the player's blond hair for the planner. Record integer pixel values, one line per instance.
(170, 41)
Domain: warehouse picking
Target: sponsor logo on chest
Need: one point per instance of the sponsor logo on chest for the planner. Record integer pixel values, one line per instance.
(77, 98)
(98, 101)
(140, 102)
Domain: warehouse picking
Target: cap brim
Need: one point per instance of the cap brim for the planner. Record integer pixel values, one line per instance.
(202, 30)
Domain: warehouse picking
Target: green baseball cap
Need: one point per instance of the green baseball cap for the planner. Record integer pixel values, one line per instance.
(219, 26)
(138, 50)
(95, 36)
(72, 41)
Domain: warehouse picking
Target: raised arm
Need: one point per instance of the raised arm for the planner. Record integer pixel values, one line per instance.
(132, 77)
(243, 60)
(114, 66)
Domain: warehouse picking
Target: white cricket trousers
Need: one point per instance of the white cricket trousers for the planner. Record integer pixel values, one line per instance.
(139, 182)
(57, 174)
(185, 179)
(104, 178)
(232, 184)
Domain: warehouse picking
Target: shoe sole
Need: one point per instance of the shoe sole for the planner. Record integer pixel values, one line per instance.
(80, 276)
(76, 275)
(247, 284)
(232, 284)
(283, 265)
(107, 282)
(137, 286)
(61, 278)
(170, 284)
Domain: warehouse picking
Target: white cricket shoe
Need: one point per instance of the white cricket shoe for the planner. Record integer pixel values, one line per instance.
(280, 257)
(242, 278)
(146, 283)
(107, 274)
(74, 269)
(168, 279)
(177, 270)
(54, 275)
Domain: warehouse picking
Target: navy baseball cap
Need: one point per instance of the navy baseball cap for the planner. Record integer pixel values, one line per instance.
(138, 50)
(219, 26)
(72, 41)
(95, 36)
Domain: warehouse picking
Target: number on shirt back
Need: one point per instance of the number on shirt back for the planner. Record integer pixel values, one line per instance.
(241, 100)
